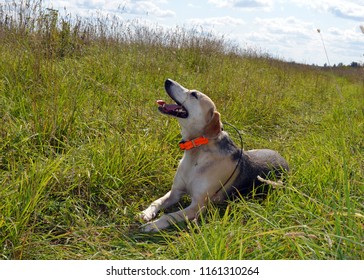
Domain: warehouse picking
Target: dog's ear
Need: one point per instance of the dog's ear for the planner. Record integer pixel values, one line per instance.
(213, 128)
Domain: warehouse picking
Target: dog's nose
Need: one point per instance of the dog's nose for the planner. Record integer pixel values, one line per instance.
(168, 83)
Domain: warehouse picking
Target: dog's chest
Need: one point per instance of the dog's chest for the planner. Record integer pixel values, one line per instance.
(194, 165)
(210, 167)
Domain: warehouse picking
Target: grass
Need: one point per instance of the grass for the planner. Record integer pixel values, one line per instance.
(83, 148)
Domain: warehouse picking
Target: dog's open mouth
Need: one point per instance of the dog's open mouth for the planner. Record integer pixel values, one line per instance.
(176, 110)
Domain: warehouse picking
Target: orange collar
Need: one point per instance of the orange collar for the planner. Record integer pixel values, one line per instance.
(188, 145)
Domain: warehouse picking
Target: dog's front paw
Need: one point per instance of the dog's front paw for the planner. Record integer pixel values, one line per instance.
(146, 215)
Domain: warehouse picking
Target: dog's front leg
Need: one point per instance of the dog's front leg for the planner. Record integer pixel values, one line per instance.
(189, 213)
(165, 201)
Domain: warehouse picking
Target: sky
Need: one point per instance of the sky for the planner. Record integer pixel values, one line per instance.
(285, 29)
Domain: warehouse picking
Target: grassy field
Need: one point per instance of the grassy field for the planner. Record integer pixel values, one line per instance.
(83, 148)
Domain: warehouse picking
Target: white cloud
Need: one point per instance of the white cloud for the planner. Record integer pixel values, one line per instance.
(216, 21)
(353, 12)
(292, 37)
(345, 41)
(348, 9)
(193, 6)
(242, 4)
(146, 8)
(285, 26)
(133, 7)
(285, 37)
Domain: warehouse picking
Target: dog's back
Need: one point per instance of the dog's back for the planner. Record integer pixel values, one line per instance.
(253, 163)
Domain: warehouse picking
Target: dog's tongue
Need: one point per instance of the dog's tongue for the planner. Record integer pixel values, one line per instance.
(167, 107)
(161, 102)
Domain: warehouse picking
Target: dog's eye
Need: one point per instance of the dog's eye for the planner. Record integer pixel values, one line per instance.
(194, 94)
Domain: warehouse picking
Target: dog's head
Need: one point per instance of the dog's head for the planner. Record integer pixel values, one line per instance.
(195, 111)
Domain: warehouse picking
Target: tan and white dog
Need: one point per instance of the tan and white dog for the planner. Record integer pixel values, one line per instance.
(212, 168)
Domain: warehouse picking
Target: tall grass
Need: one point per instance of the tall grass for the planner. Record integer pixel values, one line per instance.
(83, 148)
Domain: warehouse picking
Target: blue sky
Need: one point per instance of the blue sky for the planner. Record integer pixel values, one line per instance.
(285, 29)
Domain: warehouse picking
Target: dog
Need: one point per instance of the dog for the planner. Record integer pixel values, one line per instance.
(212, 168)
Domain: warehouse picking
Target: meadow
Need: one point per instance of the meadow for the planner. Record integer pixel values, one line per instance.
(83, 148)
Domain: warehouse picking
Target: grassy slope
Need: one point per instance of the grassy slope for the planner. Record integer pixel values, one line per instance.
(83, 149)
